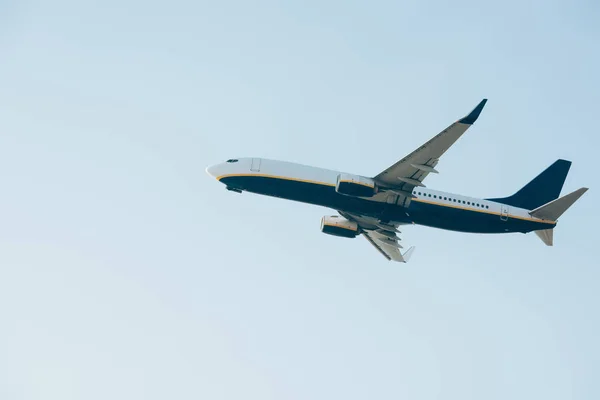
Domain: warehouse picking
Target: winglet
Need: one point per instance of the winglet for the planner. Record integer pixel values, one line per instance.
(406, 256)
(473, 115)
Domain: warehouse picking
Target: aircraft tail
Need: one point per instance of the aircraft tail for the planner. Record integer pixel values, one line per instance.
(541, 196)
(542, 189)
(553, 210)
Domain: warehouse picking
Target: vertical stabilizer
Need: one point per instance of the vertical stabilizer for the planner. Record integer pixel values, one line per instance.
(543, 188)
(547, 236)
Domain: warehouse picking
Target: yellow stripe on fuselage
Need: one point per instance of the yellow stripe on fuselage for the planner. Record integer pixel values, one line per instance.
(286, 178)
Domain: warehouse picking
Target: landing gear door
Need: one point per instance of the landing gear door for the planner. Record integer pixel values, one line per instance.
(255, 165)
(504, 212)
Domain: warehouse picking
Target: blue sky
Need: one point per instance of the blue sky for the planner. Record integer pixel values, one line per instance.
(128, 273)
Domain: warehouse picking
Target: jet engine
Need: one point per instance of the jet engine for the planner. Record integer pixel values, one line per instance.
(339, 226)
(355, 185)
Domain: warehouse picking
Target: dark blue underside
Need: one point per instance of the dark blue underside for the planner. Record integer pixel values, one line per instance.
(420, 213)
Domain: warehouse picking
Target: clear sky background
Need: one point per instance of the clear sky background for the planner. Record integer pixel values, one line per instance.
(126, 272)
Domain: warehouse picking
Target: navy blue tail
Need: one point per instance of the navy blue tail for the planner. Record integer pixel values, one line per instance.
(542, 189)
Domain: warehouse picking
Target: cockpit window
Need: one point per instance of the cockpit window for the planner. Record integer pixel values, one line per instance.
(232, 160)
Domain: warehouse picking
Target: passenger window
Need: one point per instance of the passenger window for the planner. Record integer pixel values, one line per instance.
(434, 196)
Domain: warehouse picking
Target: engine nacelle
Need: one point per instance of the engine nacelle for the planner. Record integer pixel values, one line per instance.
(355, 185)
(339, 226)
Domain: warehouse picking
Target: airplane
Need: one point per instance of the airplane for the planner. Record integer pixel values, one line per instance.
(376, 207)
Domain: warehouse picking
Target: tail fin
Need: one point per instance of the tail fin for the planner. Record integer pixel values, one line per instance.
(542, 189)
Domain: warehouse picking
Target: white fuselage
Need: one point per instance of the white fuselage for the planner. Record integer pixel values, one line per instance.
(239, 173)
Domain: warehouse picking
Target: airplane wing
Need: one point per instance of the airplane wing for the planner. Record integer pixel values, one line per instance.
(389, 248)
(410, 172)
(383, 236)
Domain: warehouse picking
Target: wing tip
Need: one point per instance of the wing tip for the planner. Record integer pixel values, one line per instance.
(406, 256)
(473, 115)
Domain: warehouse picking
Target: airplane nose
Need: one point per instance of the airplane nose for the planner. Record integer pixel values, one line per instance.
(212, 171)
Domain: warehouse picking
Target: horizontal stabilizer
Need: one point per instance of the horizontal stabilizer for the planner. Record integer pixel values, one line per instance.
(554, 209)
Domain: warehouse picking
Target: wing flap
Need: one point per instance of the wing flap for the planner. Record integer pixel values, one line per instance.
(383, 236)
(389, 251)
